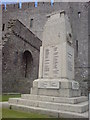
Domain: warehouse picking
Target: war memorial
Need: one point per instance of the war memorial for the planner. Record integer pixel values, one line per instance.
(55, 92)
(22, 36)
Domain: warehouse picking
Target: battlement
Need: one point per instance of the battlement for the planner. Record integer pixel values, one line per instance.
(23, 6)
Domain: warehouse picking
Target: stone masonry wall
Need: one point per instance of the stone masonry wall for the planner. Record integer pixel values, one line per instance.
(19, 40)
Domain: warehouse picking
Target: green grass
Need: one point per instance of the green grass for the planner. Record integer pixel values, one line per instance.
(8, 113)
(6, 97)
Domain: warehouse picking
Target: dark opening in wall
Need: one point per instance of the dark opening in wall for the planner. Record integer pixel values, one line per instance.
(31, 22)
(77, 47)
(3, 7)
(28, 5)
(3, 27)
(18, 5)
(79, 14)
(28, 64)
(14, 5)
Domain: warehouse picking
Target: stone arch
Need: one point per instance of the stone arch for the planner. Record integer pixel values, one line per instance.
(28, 64)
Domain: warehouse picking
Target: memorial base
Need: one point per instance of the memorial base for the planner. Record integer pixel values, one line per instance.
(56, 87)
(58, 98)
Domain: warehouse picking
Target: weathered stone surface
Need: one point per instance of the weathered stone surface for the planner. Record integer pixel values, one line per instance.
(49, 84)
(58, 62)
(37, 104)
(53, 113)
(77, 108)
(57, 30)
(58, 56)
(63, 83)
(73, 100)
(16, 77)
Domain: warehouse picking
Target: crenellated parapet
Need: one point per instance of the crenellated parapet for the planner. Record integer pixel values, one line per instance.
(25, 5)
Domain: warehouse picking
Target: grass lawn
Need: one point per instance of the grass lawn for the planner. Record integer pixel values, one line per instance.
(7, 96)
(8, 113)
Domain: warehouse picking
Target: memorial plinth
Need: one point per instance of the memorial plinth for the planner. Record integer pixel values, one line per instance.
(55, 92)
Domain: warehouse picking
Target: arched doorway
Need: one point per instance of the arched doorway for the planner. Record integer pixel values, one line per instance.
(28, 64)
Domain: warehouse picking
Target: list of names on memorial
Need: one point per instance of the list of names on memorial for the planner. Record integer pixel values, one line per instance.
(46, 62)
(51, 67)
(56, 61)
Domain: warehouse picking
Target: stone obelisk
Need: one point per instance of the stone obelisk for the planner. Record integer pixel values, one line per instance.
(56, 67)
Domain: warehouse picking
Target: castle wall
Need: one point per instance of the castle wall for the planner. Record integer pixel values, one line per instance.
(39, 15)
(0, 53)
(80, 34)
(13, 68)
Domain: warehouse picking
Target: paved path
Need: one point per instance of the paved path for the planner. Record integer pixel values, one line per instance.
(0, 104)
(5, 105)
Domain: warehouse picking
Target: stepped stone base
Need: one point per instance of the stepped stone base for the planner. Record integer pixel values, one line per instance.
(53, 113)
(76, 107)
(61, 99)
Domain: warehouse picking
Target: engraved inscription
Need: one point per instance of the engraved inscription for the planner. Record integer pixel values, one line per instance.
(48, 84)
(70, 66)
(55, 61)
(52, 62)
(47, 62)
(75, 85)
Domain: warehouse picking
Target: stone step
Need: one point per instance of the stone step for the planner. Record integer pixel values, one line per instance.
(78, 108)
(53, 113)
(56, 93)
(72, 100)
